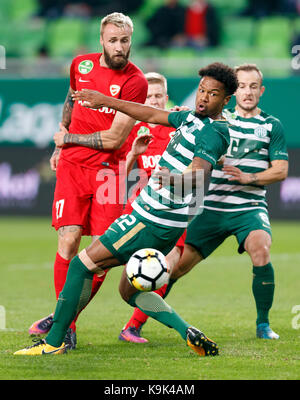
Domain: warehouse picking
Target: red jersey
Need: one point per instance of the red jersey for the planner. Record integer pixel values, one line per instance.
(149, 160)
(161, 137)
(126, 84)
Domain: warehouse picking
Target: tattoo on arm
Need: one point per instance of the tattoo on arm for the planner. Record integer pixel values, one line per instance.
(67, 110)
(93, 140)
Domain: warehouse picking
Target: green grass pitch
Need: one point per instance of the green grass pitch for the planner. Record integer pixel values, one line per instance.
(215, 297)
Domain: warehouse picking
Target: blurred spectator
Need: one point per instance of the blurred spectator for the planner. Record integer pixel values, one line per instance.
(262, 8)
(202, 28)
(85, 8)
(166, 25)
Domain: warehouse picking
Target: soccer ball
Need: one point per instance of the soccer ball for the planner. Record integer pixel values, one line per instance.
(147, 270)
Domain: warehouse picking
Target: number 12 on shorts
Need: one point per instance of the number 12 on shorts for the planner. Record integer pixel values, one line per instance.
(59, 208)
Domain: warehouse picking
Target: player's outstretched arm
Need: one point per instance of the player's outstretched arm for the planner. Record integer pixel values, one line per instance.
(94, 99)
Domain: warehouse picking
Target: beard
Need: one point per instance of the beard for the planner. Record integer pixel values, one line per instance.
(116, 62)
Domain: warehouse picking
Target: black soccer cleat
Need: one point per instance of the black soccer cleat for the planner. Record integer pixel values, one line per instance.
(200, 343)
(70, 339)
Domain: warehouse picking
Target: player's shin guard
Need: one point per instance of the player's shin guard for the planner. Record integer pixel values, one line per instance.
(74, 296)
(263, 290)
(154, 306)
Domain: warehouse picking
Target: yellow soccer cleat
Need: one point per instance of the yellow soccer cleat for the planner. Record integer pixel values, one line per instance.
(200, 343)
(41, 348)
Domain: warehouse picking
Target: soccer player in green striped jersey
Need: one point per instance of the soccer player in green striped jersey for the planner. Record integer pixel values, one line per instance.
(235, 203)
(160, 212)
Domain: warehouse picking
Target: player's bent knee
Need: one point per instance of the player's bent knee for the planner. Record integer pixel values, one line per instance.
(68, 242)
(125, 288)
(260, 254)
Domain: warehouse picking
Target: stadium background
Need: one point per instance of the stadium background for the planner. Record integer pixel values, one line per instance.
(39, 38)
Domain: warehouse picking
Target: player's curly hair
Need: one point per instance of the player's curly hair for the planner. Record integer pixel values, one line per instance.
(222, 73)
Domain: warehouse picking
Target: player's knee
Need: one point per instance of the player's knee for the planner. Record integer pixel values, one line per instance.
(68, 245)
(260, 254)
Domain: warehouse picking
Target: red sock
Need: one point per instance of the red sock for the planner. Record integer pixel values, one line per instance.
(138, 317)
(61, 267)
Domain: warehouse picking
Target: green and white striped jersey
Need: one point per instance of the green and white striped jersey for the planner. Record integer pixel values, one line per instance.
(194, 137)
(254, 143)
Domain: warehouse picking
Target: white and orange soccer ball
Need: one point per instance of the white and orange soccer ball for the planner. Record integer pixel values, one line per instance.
(147, 270)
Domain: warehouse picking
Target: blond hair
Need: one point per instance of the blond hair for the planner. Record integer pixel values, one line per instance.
(118, 19)
(155, 77)
(249, 67)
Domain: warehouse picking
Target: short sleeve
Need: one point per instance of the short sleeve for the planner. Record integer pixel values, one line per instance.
(210, 144)
(277, 148)
(177, 117)
(135, 89)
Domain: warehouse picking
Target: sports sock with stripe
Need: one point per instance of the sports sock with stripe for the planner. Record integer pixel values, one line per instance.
(154, 305)
(73, 298)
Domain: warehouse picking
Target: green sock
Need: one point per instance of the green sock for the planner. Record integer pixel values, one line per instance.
(169, 287)
(73, 298)
(155, 306)
(263, 290)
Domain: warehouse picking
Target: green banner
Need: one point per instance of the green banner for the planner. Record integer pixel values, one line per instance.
(30, 109)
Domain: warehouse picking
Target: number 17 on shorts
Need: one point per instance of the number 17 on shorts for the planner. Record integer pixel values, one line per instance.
(59, 208)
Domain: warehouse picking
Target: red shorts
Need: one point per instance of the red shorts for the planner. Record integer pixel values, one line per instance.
(86, 197)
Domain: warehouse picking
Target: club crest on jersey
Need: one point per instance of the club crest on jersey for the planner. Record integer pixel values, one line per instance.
(114, 89)
(260, 132)
(143, 131)
(85, 66)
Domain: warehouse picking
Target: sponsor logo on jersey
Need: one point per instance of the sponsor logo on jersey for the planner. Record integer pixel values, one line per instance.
(82, 80)
(260, 132)
(143, 131)
(150, 161)
(85, 66)
(114, 89)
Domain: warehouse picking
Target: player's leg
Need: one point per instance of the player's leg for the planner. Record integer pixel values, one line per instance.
(258, 245)
(155, 306)
(205, 233)
(132, 330)
(255, 237)
(74, 297)
(77, 289)
(68, 243)
(70, 210)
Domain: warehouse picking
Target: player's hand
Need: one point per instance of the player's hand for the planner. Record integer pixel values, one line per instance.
(237, 175)
(140, 144)
(221, 161)
(90, 98)
(59, 136)
(179, 108)
(54, 159)
(164, 177)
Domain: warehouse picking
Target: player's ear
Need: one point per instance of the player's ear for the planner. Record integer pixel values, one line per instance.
(226, 100)
(262, 90)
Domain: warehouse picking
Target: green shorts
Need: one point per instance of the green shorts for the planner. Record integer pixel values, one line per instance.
(208, 230)
(131, 232)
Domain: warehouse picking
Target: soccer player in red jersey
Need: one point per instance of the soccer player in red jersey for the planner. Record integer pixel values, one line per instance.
(89, 148)
(148, 143)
